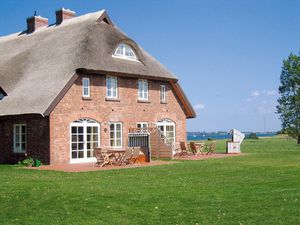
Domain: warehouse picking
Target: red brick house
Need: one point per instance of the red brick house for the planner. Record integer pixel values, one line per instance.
(68, 87)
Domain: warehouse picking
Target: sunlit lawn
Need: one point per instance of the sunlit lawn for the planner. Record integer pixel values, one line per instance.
(261, 187)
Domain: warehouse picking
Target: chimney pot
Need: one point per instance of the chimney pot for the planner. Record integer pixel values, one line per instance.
(64, 14)
(35, 22)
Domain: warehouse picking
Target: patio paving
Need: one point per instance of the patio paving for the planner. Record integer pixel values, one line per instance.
(86, 167)
(204, 156)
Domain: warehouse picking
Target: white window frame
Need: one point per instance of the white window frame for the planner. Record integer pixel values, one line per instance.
(115, 134)
(142, 124)
(112, 80)
(122, 55)
(20, 141)
(86, 80)
(163, 97)
(143, 90)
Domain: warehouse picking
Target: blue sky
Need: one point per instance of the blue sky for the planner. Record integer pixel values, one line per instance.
(227, 54)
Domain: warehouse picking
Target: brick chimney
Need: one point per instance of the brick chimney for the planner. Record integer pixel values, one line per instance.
(35, 22)
(64, 14)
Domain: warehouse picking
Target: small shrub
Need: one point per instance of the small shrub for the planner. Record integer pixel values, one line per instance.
(28, 162)
(252, 136)
(210, 139)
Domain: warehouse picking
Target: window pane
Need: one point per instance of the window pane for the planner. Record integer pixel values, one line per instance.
(80, 154)
(74, 155)
(89, 130)
(74, 146)
(112, 142)
(23, 146)
(80, 130)
(74, 138)
(74, 130)
(118, 134)
(23, 129)
(80, 146)
(118, 143)
(95, 130)
(80, 137)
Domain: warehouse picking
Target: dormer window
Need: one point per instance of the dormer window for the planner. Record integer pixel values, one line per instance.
(125, 52)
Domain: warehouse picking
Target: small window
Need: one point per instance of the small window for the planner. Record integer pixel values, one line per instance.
(86, 87)
(142, 124)
(115, 135)
(126, 52)
(162, 93)
(143, 90)
(111, 87)
(19, 138)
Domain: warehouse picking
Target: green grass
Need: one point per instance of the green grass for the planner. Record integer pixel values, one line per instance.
(261, 187)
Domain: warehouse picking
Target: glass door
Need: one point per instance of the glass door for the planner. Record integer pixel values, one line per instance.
(85, 136)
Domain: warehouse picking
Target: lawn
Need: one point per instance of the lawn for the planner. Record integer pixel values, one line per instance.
(261, 187)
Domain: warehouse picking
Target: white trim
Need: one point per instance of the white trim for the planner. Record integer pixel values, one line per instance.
(86, 87)
(162, 96)
(121, 57)
(123, 48)
(144, 89)
(115, 134)
(84, 123)
(19, 127)
(111, 78)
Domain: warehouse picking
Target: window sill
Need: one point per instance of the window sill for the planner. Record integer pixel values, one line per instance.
(112, 99)
(143, 101)
(19, 153)
(87, 98)
(163, 102)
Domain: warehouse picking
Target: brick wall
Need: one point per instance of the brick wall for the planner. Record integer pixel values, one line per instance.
(126, 110)
(37, 134)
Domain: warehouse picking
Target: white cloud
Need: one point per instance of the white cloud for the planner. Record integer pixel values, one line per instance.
(199, 106)
(272, 92)
(255, 93)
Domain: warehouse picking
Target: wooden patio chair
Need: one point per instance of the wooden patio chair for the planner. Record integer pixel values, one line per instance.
(135, 155)
(182, 150)
(211, 148)
(193, 148)
(127, 157)
(102, 157)
(99, 157)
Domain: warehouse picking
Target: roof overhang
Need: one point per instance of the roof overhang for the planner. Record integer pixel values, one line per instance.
(188, 108)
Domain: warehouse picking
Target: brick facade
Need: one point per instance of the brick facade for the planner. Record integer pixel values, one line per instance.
(37, 138)
(48, 138)
(126, 110)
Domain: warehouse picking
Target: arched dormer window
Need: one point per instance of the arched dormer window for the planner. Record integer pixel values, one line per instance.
(125, 52)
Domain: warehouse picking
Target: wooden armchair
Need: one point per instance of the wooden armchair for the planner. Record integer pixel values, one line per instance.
(193, 147)
(211, 148)
(182, 150)
(127, 157)
(103, 158)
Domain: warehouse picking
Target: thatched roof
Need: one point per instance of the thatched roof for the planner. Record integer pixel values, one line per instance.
(35, 67)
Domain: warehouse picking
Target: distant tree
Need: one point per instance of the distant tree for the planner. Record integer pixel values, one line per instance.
(289, 101)
(252, 136)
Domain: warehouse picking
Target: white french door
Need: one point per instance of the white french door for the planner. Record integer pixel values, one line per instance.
(85, 136)
(167, 127)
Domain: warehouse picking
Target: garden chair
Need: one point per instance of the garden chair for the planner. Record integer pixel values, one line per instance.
(193, 148)
(127, 157)
(211, 148)
(103, 158)
(135, 155)
(99, 156)
(182, 150)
